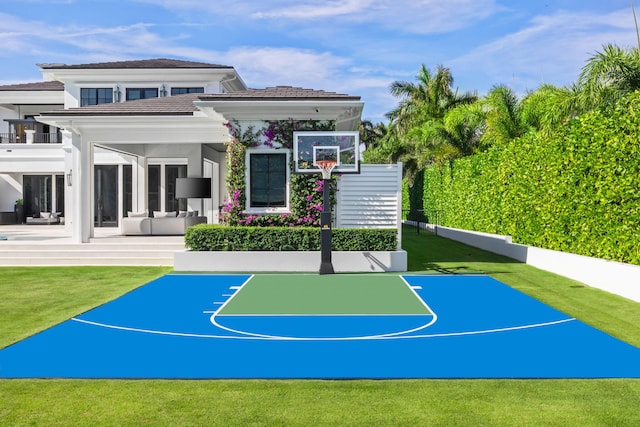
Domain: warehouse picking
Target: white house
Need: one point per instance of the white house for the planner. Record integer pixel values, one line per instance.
(95, 141)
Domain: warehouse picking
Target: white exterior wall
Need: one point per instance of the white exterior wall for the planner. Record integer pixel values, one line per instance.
(614, 277)
(11, 190)
(371, 199)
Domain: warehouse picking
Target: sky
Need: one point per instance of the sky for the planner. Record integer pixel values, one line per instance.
(357, 47)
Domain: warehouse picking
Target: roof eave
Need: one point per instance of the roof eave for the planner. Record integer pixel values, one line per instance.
(347, 112)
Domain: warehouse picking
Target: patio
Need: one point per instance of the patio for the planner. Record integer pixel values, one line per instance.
(51, 245)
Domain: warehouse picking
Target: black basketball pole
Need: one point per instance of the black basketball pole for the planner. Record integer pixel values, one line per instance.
(325, 229)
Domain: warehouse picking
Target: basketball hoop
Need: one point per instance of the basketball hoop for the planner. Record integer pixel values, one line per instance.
(326, 166)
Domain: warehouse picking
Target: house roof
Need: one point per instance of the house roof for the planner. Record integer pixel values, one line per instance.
(277, 93)
(170, 105)
(137, 64)
(31, 87)
(184, 104)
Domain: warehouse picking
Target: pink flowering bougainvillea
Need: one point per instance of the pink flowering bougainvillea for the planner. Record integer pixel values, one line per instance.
(306, 190)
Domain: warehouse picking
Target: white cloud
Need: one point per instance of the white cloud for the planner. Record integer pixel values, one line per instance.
(551, 49)
(406, 16)
(317, 10)
(268, 66)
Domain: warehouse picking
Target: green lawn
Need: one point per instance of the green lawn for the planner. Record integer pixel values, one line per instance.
(32, 299)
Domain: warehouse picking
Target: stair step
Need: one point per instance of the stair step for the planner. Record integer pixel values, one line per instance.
(72, 261)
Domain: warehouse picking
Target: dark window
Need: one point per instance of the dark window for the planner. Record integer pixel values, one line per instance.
(95, 96)
(127, 182)
(105, 192)
(153, 200)
(141, 93)
(37, 194)
(268, 176)
(183, 90)
(171, 173)
(60, 194)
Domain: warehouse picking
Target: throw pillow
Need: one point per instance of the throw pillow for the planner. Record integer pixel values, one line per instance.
(137, 214)
(158, 214)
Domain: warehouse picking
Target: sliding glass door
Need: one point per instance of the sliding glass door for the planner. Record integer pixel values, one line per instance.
(36, 194)
(106, 196)
(161, 194)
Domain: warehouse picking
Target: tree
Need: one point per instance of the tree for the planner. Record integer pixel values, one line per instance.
(371, 134)
(418, 136)
(609, 75)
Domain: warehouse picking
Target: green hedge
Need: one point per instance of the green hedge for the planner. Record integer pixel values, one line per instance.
(207, 237)
(577, 190)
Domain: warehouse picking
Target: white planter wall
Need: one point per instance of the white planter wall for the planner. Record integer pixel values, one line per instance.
(615, 277)
(255, 261)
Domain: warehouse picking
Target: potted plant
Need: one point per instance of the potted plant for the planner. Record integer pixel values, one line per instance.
(19, 210)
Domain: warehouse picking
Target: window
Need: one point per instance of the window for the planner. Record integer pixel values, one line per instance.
(161, 195)
(183, 90)
(154, 187)
(37, 194)
(267, 174)
(127, 182)
(60, 194)
(141, 93)
(171, 203)
(95, 96)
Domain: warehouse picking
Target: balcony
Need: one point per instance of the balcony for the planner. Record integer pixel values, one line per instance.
(38, 138)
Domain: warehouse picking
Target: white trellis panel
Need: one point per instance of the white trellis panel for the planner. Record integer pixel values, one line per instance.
(371, 199)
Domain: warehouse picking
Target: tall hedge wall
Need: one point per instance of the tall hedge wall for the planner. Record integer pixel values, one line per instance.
(577, 190)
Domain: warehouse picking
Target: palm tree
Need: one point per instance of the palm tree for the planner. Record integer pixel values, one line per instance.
(609, 75)
(419, 135)
(431, 97)
(503, 118)
(550, 106)
(371, 134)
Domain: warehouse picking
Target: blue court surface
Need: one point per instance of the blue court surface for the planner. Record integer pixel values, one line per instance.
(174, 327)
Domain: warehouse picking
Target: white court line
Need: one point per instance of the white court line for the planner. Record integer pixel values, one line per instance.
(398, 335)
(380, 337)
(434, 319)
(237, 289)
(325, 315)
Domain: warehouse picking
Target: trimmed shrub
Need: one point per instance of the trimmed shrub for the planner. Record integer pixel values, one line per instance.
(577, 190)
(208, 237)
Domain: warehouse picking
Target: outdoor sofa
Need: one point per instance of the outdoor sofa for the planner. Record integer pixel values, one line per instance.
(161, 224)
(46, 218)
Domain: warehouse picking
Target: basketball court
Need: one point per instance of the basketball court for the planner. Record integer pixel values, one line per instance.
(321, 326)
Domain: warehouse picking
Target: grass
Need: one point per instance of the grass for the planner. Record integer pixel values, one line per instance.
(36, 298)
(613, 314)
(32, 299)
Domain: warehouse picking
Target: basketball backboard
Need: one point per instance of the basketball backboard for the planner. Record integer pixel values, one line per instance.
(342, 147)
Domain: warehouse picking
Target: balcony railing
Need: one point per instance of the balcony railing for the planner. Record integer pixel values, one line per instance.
(38, 138)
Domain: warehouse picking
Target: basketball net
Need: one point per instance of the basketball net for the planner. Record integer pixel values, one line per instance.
(326, 167)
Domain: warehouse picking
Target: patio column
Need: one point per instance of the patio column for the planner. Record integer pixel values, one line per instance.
(82, 189)
(139, 181)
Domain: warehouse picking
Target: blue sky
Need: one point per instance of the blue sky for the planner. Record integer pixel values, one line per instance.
(349, 46)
